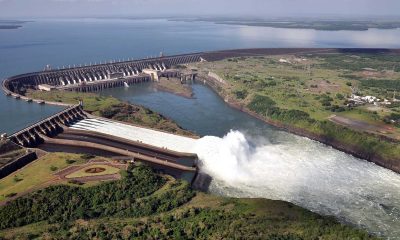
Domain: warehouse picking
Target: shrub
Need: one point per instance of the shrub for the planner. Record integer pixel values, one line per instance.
(87, 156)
(261, 104)
(53, 168)
(10, 195)
(241, 94)
(339, 96)
(70, 161)
(17, 179)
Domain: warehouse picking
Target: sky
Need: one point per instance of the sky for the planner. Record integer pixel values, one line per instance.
(165, 8)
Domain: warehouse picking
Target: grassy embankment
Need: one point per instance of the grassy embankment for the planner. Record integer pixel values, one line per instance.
(112, 108)
(145, 205)
(37, 174)
(304, 93)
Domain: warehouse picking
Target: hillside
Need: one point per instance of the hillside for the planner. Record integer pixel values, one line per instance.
(147, 205)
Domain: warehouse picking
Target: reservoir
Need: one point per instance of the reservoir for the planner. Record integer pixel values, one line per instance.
(244, 156)
(65, 42)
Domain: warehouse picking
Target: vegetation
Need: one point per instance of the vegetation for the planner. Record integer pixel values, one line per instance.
(325, 25)
(383, 84)
(304, 92)
(110, 107)
(36, 173)
(84, 171)
(174, 85)
(145, 205)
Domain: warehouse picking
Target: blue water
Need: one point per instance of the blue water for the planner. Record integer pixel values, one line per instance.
(68, 42)
(283, 166)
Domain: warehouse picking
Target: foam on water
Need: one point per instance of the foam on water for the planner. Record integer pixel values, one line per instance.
(306, 173)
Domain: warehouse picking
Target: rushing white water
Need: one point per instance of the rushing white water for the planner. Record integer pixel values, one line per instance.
(300, 171)
(135, 133)
(306, 173)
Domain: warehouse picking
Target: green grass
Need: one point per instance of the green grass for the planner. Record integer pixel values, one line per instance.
(36, 173)
(110, 107)
(316, 85)
(93, 103)
(145, 205)
(82, 172)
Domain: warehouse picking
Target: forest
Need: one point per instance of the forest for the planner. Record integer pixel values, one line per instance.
(148, 205)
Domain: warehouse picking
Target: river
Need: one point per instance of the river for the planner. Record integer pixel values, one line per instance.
(247, 158)
(253, 160)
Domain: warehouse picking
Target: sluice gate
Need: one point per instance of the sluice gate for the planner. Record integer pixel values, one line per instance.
(35, 134)
(97, 77)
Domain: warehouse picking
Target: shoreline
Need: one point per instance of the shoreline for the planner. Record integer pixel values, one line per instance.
(172, 91)
(352, 150)
(174, 86)
(391, 163)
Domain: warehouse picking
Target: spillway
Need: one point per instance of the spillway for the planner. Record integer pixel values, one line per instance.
(144, 135)
(260, 161)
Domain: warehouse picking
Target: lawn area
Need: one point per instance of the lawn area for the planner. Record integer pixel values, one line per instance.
(94, 170)
(36, 173)
(93, 103)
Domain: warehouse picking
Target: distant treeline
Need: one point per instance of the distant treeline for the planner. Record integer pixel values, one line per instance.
(383, 84)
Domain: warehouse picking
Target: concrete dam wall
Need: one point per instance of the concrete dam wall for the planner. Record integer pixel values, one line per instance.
(35, 134)
(97, 77)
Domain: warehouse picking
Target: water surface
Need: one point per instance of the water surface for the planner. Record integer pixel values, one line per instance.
(256, 160)
(247, 158)
(68, 42)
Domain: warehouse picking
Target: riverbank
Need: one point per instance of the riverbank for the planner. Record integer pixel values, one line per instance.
(358, 151)
(173, 85)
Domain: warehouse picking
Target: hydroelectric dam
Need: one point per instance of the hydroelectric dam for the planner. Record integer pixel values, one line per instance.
(266, 163)
(75, 130)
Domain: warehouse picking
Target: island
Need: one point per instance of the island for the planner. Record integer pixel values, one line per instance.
(316, 24)
(11, 24)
